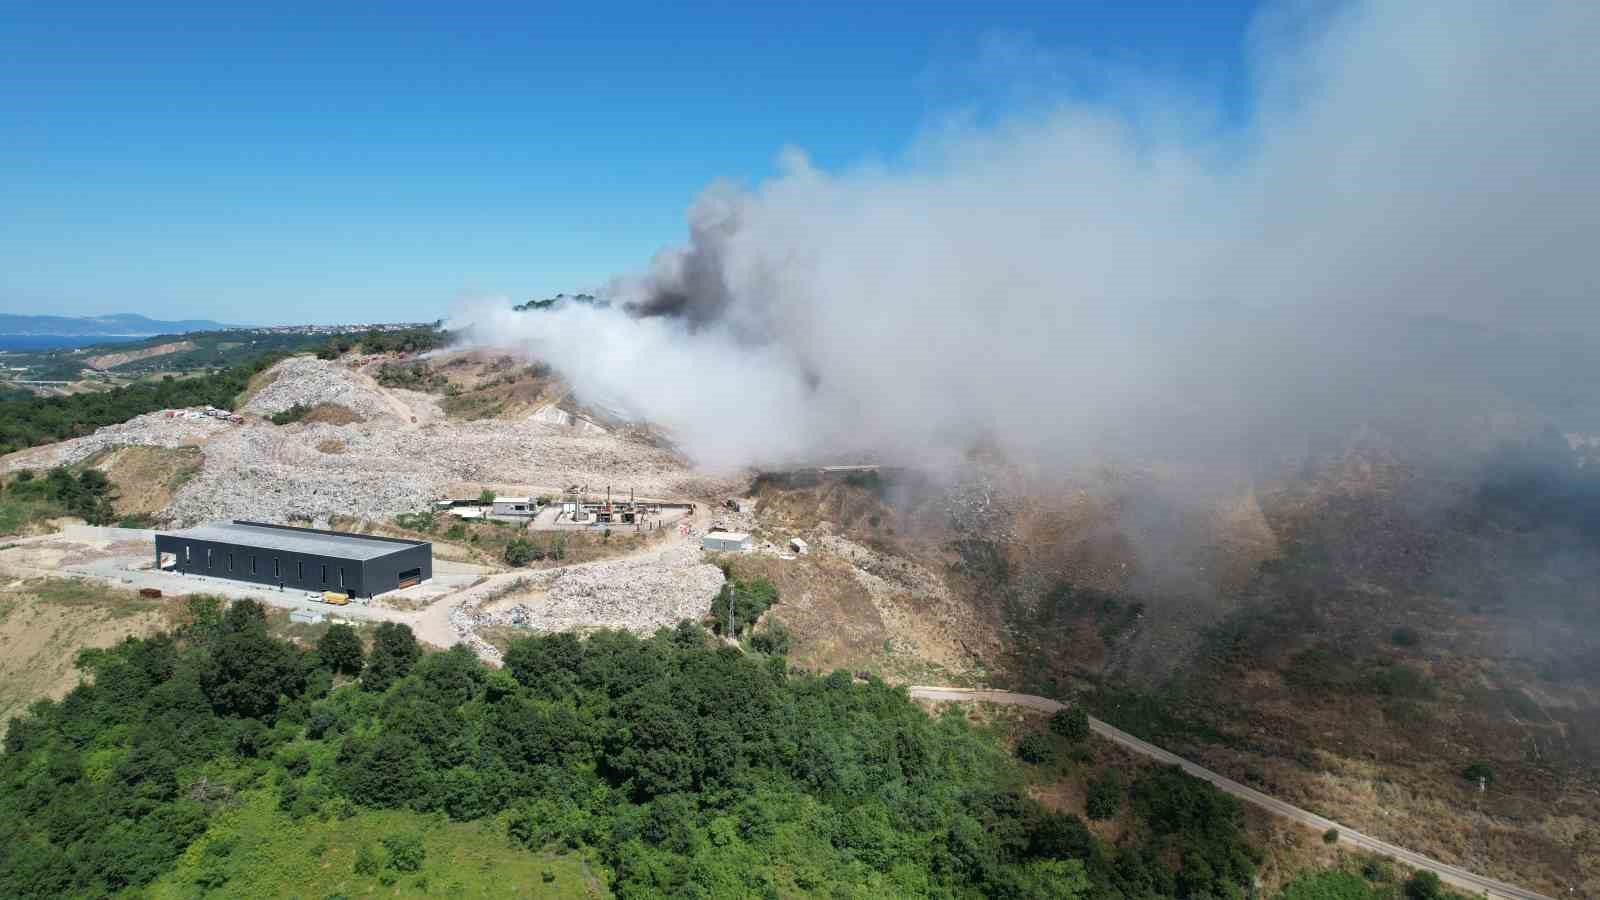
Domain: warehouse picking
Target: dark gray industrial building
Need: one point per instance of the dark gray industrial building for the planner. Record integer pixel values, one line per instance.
(310, 559)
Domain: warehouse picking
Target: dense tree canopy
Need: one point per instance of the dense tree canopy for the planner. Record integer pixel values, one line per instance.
(340, 650)
(689, 770)
(394, 652)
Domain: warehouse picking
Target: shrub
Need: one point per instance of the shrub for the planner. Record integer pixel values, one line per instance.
(1424, 886)
(406, 852)
(295, 761)
(519, 552)
(1376, 868)
(417, 376)
(1036, 748)
(1405, 637)
(772, 639)
(1071, 723)
(1331, 836)
(1402, 681)
(87, 494)
(417, 521)
(1478, 773)
(747, 599)
(367, 862)
(291, 415)
(1104, 799)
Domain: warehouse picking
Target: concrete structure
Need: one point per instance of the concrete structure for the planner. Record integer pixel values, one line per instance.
(515, 506)
(305, 616)
(731, 541)
(308, 559)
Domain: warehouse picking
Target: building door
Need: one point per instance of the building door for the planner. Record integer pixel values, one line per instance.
(410, 578)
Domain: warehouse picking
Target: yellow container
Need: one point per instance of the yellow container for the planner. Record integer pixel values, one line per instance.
(334, 598)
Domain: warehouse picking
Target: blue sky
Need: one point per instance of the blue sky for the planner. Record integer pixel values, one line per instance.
(337, 162)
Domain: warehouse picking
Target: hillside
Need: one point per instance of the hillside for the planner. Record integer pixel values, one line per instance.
(1350, 635)
(187, 750)
(1352, 638)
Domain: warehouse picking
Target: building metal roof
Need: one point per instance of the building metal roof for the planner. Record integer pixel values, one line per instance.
(295, 540)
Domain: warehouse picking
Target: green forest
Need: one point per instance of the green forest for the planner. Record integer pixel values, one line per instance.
(664, 767)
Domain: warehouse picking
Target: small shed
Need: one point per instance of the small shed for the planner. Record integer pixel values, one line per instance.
(799, 546)
(727, 541)
(515, 506)
(306, 616)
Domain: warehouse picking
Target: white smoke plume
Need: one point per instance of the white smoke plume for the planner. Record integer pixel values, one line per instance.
(1082, 281)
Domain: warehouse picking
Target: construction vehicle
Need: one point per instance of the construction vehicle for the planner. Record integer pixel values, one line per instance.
(334, 598)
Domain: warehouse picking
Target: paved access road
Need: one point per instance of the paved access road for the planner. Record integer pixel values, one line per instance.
(1452, 875)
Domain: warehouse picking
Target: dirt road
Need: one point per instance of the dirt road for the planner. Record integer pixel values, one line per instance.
(1452, 875)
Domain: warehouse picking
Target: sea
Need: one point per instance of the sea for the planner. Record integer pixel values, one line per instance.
(32, 342)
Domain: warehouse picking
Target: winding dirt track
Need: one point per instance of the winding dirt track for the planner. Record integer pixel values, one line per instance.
(1452, 875)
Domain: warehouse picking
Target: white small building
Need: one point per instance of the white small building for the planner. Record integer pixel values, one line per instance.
(799, 546)
(306, 616)
(515, 506)
(466, 512)
(727, 541)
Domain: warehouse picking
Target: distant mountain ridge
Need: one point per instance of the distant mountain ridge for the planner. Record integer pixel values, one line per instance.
(119, 325)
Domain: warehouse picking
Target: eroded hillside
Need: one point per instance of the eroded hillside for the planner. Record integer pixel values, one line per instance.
(1352, 636)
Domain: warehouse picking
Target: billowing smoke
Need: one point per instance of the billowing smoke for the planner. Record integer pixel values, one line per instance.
(1080, 282)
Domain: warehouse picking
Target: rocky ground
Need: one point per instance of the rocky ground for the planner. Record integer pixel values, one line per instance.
(307, 381)
(403, 454)
(657, 588)
(150, 430)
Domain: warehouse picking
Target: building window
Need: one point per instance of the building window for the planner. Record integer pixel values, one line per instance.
(230, 560)
(341, 578)
(252, 564)
(208, 559)
(277, 571)
(324, 573)
(186, 549)
(300, 571)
